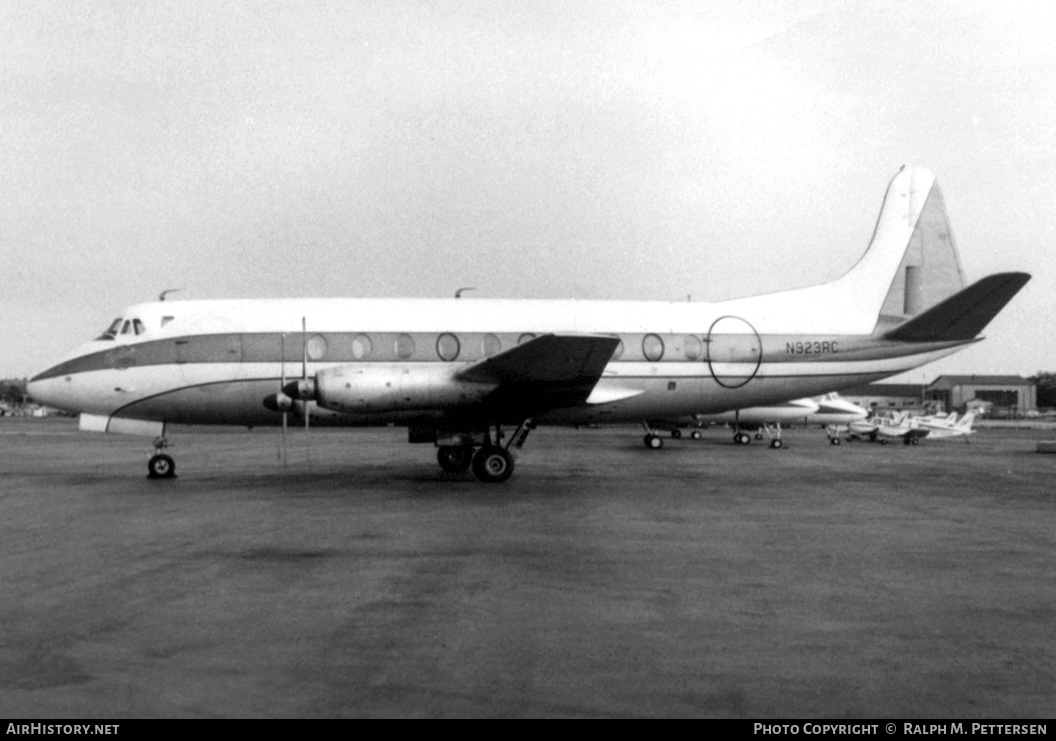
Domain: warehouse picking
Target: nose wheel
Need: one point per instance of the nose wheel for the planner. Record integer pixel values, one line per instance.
(160, 465)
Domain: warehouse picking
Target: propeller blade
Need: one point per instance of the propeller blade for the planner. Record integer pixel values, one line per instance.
(304, 378)
(285, 413)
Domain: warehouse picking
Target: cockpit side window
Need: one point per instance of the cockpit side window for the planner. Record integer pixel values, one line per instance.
(137, 326)
(111, 331)
(127, 327)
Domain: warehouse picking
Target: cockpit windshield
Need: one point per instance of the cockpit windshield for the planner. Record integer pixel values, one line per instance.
(123, 326)
(111, 331)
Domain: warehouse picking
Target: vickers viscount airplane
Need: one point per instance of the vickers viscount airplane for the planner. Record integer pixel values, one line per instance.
(456, 371)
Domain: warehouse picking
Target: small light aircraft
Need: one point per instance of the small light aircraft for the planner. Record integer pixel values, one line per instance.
(948, 426)
(460, 373)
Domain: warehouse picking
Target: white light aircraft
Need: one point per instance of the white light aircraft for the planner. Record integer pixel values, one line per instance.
(456, 372)
(948, 427)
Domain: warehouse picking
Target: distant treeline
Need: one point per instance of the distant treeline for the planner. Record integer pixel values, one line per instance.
(13, 390)
(1046, 383)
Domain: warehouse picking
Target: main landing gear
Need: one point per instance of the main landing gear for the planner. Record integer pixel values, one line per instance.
(161, 466)
(491, 462)
(833, 433)
(654, 441)
(740, 437)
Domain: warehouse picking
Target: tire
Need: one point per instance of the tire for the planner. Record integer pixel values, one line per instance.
(454, 458)
(676, 434)
(492, 464)
(835, 441)
(653, 442)
(696, 435)
(161, 466)
(776, 444)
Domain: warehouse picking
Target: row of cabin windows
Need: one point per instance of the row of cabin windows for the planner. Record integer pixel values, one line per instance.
(449, 347)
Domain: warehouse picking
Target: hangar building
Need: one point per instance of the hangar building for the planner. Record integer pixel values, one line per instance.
(1011, 395)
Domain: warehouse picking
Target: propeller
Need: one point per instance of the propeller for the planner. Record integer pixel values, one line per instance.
(302, 389)
(281, 402)
(304, 381)
(285, 411)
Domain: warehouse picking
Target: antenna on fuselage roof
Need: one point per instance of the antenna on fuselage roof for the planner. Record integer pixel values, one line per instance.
(458, 293)
(161, 296)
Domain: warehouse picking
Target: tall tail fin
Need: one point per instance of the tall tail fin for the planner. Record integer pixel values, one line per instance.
(912, 261)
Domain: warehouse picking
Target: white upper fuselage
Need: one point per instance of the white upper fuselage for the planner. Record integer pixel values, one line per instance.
(675, 358)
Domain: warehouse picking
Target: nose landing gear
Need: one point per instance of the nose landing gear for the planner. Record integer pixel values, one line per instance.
(160, 465)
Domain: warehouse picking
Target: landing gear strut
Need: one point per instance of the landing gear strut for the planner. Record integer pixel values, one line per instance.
(652, 440)
(161, 466)
(492, 462)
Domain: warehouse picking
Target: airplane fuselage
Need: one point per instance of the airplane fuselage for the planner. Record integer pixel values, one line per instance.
(212, 362)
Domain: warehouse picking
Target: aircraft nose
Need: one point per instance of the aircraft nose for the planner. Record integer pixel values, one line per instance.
(38, 388)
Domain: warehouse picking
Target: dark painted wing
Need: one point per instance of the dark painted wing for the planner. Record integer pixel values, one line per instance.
(543, 373)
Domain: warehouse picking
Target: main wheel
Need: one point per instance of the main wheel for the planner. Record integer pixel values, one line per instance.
(655, 442)
(454, 458)
(696, 435)
(834, 441)
(161, 466)
(492, 464)
(676, 434)
(776, 443)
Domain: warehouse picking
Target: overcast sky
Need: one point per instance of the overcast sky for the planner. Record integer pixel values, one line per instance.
(549, 149)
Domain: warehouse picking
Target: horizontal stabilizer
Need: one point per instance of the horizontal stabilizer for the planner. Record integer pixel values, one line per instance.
(963, 315)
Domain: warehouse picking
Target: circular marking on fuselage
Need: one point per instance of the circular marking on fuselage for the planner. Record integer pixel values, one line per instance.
(734, 351)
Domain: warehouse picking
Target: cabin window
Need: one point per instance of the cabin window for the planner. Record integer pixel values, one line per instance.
(525, 337)
(447, 346)
(361, 347)
(166, 319)
(693, 347)
(653, 347)
(404, 347)
(111, 331)
(491, 345)
(317, 347)
(618, 352)
(137, 327)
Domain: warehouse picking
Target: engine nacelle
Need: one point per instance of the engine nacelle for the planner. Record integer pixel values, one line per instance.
(386, 388)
